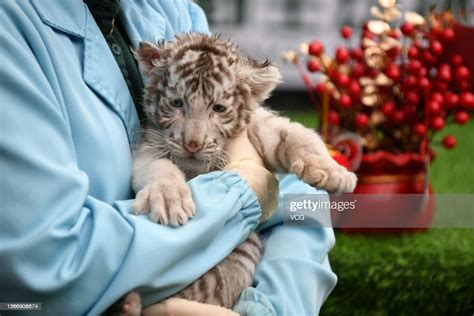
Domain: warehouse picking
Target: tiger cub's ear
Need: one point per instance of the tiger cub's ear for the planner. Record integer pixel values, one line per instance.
(261, 77)
(150, 55)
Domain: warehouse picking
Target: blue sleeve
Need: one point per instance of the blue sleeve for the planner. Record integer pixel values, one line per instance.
(70, 251)
(294, 276)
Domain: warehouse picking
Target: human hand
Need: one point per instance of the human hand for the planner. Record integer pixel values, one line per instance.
(183, 307)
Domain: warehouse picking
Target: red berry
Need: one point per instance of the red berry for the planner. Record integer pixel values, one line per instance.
(407, 28)
(410, 81)
(417, 43)
(334, 118)
(342, 55)
(436, 31)
(412, 97)
(354, 89)
(461, 117)
(313, 65)
(424, 84)
(346, 32)
(316, 48)
(437, 123)
(368, 34)
(357, 71)
(448, 34)
(320, 88)
(450, 100)
(387, 108)
(345, 101)
(466, 99)
(419, 129)
(393, 72)
(398, 116)
(436, 47)
(463, 85)
(428, 57)
(342, 79)
(372, 73)
(434, 107)
(422, 72)
(456, 59)
(414, 66)
(462, 73)
(412, 52)
(333, 74)
(438, 97)
(361, 120)
(394, 34)
(365, 26)
(449, 141)
(357, 54)
(444, 72)
(394, 52)
(442, 86)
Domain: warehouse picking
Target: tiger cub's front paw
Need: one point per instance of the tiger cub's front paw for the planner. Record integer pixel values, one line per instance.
(324, 174)
(166, 202)
(341, 181)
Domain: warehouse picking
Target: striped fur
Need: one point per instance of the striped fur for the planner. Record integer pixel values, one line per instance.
(203, 71)
(223, 284)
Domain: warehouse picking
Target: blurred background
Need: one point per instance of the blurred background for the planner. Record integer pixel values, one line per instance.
(429, 272)
(266, 28)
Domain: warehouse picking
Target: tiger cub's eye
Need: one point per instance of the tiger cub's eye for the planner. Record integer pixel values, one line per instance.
(177, 103)
(219, 108)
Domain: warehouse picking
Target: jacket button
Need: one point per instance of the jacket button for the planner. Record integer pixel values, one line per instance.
(116, 49)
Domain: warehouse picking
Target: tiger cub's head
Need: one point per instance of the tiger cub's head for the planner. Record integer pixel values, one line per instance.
(200, 93)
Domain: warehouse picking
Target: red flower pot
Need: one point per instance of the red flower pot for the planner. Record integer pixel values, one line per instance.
(389, 175)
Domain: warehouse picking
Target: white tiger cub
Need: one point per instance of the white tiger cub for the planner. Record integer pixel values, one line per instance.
(201, 93)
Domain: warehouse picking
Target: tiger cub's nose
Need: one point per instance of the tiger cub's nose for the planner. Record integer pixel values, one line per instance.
(193, 147)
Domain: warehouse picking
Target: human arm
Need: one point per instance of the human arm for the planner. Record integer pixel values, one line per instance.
(294, 276)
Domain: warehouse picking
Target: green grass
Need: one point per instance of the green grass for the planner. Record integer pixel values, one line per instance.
(429, 273)
(453, 170)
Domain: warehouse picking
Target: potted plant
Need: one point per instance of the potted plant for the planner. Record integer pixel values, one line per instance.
(387, 97)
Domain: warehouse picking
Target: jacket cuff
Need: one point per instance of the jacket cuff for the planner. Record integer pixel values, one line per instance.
(254, 303)
(248, 203)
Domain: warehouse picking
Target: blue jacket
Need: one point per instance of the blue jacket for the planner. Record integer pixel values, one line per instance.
(67, 238)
